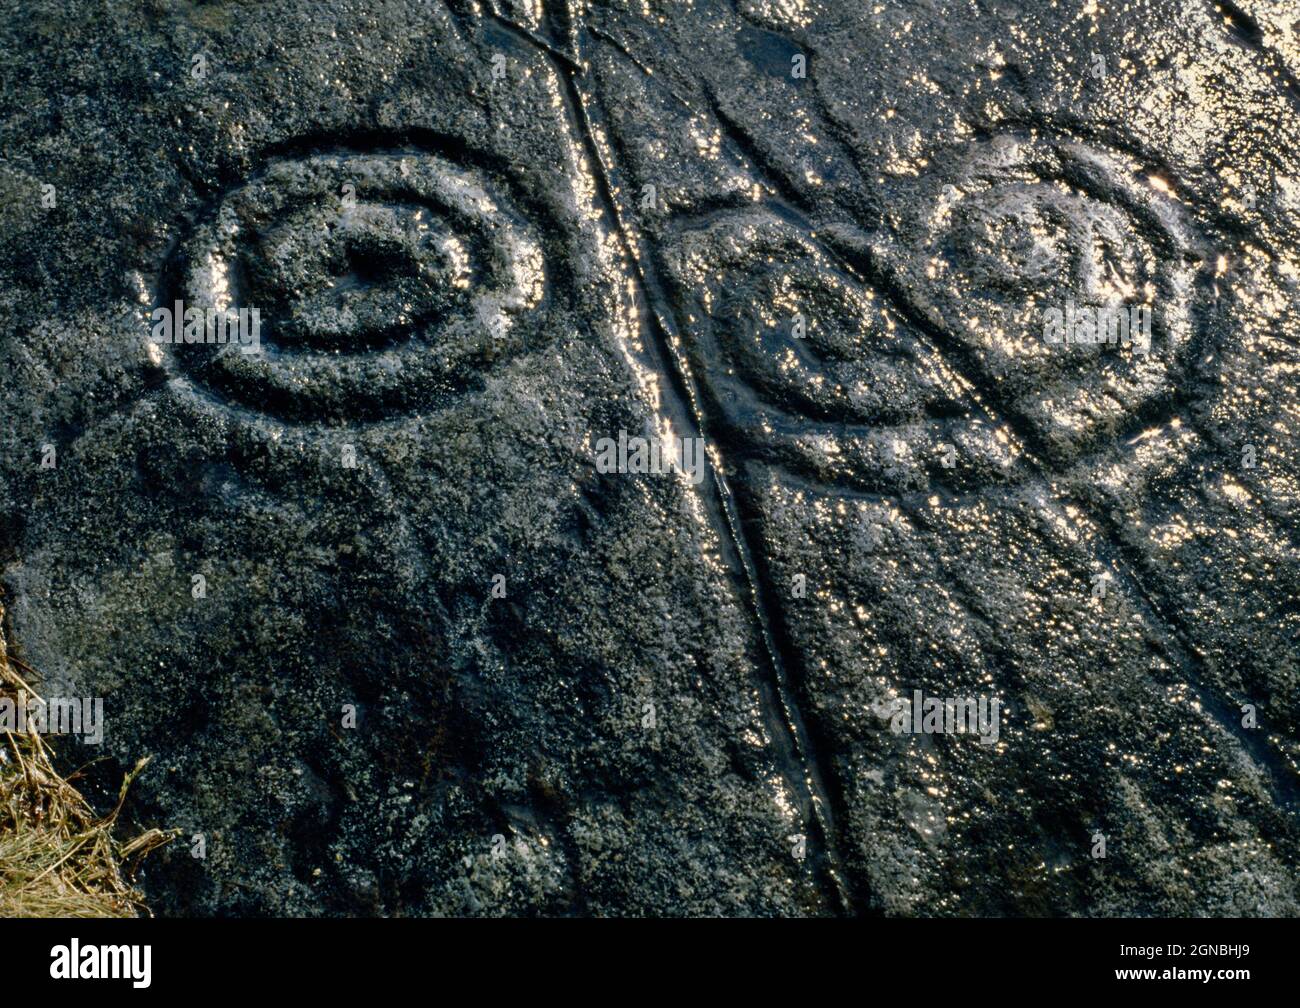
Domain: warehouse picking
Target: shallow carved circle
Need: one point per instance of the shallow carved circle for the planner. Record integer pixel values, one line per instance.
(384, 282)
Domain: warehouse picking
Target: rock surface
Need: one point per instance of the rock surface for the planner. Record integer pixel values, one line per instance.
(401, 644)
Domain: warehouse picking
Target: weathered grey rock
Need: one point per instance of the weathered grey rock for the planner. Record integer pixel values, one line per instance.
(482, 241)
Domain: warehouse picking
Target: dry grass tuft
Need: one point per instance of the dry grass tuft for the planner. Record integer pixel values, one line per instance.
(57, 858)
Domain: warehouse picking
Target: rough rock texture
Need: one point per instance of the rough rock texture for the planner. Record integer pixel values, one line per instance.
(821, 235)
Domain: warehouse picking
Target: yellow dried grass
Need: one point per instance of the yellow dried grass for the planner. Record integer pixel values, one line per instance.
(57, 857)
